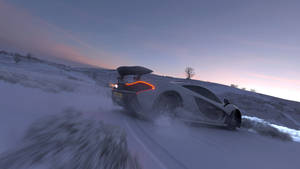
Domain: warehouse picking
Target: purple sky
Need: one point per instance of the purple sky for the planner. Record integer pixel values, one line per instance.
(254, 44)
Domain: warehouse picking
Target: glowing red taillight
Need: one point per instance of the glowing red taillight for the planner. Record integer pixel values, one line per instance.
(113, 85)
(139, 86)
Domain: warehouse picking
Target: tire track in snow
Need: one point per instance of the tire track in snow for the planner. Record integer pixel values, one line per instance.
(169, 155)
(162, 166)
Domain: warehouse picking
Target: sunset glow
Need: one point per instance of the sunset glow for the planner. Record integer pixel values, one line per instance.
(253, 44)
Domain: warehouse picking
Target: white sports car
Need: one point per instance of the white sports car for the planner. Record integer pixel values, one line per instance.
(144, 97)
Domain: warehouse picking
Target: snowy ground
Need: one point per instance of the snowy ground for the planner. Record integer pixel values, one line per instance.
(61, 117)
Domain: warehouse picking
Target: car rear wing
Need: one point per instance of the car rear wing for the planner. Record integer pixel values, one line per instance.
(138, 71)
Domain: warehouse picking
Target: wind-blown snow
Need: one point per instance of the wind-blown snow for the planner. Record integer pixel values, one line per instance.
(267, 128)
(70, 140)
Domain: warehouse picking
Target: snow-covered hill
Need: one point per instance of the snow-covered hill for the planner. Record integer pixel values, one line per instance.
(51, 113)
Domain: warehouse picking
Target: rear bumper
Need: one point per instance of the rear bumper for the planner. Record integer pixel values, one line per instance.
(124, 98)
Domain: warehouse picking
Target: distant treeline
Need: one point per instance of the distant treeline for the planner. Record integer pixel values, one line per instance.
(243, 88)
(17, 57)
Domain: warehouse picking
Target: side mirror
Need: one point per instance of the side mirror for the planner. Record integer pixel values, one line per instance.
(226, 101)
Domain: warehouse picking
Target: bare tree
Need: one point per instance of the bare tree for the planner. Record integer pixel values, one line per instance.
(189, 72)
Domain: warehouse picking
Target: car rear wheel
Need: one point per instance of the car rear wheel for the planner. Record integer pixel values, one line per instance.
(168, 102)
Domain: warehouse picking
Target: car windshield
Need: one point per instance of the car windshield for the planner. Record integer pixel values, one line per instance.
(203, 91)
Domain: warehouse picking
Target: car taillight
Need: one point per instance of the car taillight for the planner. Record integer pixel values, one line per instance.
(112, 85)
(139, 86)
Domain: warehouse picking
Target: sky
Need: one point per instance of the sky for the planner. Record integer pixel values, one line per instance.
(252, 43)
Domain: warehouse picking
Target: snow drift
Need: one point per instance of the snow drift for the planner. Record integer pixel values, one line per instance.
(71, 140)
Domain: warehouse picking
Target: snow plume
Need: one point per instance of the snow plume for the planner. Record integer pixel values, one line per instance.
(263, 127)
(163, 120)
(177, 116)
(71, 141)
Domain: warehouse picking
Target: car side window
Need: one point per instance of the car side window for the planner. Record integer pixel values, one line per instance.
(203, 91)
(208, 109)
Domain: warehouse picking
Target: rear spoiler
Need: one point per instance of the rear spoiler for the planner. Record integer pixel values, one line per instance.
(132, 70)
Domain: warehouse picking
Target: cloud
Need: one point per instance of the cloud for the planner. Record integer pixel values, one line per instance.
(275, 79)
(263, 44)
(20, 29)
(22, 32)
(270, 45)
(71, 53)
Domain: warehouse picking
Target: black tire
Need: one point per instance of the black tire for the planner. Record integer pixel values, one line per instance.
(168, 102)
(233, 121)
